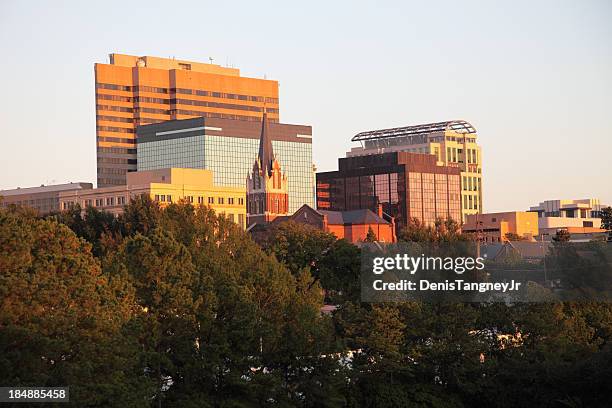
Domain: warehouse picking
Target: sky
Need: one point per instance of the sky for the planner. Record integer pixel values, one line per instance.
(533, 77)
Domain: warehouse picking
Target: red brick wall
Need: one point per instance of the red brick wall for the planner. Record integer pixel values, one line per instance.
(358, 232)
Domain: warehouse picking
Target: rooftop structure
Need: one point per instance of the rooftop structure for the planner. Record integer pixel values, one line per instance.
(458, 126)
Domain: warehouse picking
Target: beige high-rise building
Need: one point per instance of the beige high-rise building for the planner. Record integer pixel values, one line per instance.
(132, 91)
(452, 142)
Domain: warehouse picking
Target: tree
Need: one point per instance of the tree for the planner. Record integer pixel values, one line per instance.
(300, 246)
(371, 236)
(513, 236)
(561, 235)
(606, 221)
(141, 215)
(606, 218)
(62, 319)
(447, 230)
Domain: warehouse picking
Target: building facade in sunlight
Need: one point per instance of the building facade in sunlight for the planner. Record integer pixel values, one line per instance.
(132, 91)
(453, 143)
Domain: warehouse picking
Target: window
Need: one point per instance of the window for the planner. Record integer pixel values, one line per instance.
(200, 200)
(220, 200)
(211, 200)
(169, 198)
(110, 200)
(186, 67)
(230, 200)
(156, 197)
(241, 201)
(163, 198)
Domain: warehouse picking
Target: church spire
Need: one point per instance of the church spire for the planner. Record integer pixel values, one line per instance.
(266, 154)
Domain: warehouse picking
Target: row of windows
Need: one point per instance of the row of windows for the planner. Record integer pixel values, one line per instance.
(200, 199)
(114, 119)
(114, 129)
(221, 105)
(116, 160)
(114, 108)
(98, 202)
(106, 170)
(116, 150)
(132, 110)
(470, 202)
(135, 99)
(127, 88)
(224, 95)
(153, 110)
(108, 181)
(456, 155)
(164, 101)
(471, 183)
(116, 140)
(184, 91)
(222, 116)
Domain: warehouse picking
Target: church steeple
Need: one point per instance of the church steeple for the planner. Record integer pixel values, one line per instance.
(266, 154)
(267, 186)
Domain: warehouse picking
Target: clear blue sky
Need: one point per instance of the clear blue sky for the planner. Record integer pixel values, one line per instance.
(534, 78)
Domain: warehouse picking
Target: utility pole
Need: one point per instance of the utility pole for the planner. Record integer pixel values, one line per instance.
(478, 235)
(543, 258)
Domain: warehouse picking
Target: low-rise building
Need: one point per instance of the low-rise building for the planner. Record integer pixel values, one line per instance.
(351, 225)
(44, 199)
(164, 186)
(581, 216)
(495, 227)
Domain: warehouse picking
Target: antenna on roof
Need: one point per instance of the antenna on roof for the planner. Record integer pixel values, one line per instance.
(210, 59)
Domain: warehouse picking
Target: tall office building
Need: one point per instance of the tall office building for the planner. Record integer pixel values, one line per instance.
(229, 148)
(407, 185)
(452, 142)
(132, 91)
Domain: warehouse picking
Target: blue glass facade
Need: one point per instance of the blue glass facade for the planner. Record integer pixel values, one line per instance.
(231, 159)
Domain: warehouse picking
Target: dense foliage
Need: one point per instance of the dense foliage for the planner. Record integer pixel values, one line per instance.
(179, 307)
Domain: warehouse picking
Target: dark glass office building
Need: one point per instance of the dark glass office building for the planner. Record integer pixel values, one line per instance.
(407, 185)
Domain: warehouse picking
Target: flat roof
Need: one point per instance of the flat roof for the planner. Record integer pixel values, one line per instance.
(46, 189)
(459, 126)
(180, 128)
